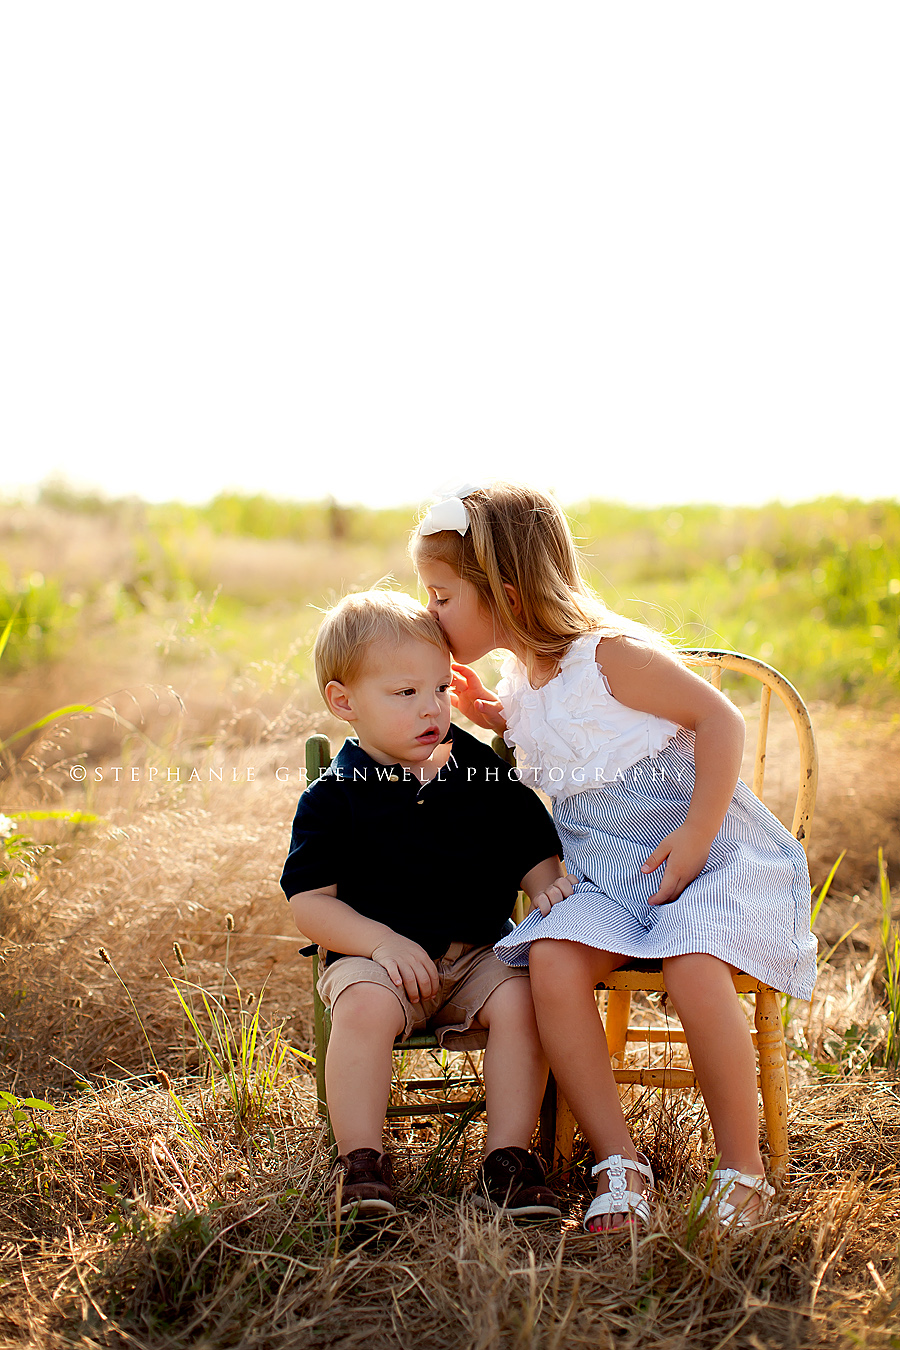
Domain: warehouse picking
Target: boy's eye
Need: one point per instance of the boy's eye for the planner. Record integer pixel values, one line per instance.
(406, 693)
(442, 688)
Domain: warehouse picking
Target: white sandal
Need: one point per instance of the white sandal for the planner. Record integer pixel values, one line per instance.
(730, 1215)
(619, 1199)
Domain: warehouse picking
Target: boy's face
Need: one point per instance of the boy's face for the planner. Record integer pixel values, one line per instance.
(399, 703)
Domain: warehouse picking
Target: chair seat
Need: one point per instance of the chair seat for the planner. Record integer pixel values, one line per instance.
(648, 978)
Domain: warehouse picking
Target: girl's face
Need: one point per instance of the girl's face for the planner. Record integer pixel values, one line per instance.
(471, 629)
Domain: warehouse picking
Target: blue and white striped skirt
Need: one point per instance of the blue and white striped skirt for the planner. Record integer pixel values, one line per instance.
(750, 906)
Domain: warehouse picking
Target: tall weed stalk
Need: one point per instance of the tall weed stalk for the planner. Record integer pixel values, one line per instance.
(237, 1052)
(890, 946)
(823, 957)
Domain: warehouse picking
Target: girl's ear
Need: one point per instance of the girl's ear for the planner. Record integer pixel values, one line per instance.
(339, 701)
(513, 596)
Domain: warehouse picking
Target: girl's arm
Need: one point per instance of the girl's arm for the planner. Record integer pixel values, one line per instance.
(653, 681)
(324, 919)
(475, 701)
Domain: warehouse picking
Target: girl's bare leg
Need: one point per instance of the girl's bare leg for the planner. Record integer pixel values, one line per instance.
(723, 1058)
(563, 978)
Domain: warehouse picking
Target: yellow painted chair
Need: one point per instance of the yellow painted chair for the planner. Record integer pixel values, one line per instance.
(769, 1033)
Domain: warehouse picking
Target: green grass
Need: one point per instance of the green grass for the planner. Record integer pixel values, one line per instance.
(813, 588)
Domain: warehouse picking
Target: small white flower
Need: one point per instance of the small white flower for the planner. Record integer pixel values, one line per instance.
(7, 827)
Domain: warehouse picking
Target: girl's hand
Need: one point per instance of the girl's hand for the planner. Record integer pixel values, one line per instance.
(560, 890)
(475, 701)
(685, 855)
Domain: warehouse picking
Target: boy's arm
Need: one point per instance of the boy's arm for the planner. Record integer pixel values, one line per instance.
(547, 884)
(326, 920)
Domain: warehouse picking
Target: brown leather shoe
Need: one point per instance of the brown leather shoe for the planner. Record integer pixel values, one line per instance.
(512, 1181)
(365, 1180)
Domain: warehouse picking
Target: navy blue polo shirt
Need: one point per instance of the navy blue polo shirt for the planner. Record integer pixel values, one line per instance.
(438, 862)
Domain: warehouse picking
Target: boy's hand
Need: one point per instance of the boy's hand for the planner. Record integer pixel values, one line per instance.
(685, 855)
(560, 890)
(409, 967)
(475, 701)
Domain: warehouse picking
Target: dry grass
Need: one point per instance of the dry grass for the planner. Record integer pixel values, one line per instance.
(858, 804)
(137, 1231)
(215, 1245)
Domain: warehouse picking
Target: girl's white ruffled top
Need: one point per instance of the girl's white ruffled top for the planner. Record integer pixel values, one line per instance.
(571, 734)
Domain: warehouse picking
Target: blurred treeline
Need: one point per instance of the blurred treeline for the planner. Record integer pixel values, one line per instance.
(813, 588)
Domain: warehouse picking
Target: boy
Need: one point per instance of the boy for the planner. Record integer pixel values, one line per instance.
(405, 861)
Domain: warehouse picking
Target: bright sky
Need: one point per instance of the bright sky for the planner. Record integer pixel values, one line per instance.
(638, 251)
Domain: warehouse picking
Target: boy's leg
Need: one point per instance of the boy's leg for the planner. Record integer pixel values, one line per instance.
(367, 1014)
(511, 1178)
(515, 1066)
(365, 1021)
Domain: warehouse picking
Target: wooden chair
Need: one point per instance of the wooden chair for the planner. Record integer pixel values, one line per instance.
(769, 1034)
(410, 1088)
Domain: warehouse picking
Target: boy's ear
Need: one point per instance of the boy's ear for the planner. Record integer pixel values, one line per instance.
(337, 696)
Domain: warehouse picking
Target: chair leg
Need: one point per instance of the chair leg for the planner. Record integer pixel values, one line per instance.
(773, 1079)
(564, 1143)
(322, 1030)
(618, 1011)
(321, 1039)
(547, 1125)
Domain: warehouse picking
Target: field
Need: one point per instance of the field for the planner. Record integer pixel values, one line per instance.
(175, 1193)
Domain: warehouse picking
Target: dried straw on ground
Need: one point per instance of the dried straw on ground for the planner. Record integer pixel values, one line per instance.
(163, 1217)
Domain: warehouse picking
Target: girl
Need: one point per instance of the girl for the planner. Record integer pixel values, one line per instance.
(673, 857)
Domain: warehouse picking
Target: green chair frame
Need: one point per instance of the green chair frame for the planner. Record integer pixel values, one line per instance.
(318, 759)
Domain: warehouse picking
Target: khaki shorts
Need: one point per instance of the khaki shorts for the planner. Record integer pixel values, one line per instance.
(468, 976)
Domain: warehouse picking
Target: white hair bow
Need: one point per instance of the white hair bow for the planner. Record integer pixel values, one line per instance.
(449, 513)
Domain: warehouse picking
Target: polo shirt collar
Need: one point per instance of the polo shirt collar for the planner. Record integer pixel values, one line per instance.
(351, 757)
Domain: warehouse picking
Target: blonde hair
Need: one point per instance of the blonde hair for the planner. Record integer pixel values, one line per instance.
(519, 537)
(358, 621)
